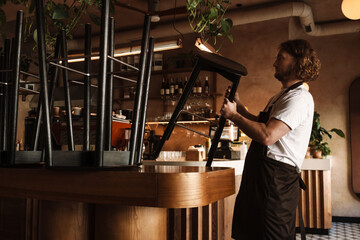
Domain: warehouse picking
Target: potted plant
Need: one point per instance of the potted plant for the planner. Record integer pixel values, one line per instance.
(319, 148)
(207, 19)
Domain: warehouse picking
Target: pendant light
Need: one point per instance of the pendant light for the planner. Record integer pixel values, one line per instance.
(351, 9)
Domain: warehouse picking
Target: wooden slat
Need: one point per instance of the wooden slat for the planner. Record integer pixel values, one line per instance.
(206, 227)
(316, 200)
(194, 226)
(215, 221)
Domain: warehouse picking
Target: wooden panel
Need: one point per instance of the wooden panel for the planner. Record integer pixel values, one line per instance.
(13, 224)
(63, 220)
(316, 200)
(157, 186)
(129, 223)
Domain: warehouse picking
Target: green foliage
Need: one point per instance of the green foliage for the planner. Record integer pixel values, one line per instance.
(206, 17)
(318, 133)
(58, 15)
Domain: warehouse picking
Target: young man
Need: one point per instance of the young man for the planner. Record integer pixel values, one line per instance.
(265, 207)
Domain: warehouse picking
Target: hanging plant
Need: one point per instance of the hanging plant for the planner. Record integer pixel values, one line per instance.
(58, 15)
(206, 17)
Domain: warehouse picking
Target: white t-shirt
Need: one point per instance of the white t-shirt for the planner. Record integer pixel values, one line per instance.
(296, 109)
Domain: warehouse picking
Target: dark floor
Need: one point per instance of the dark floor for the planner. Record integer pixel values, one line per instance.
(339, 231)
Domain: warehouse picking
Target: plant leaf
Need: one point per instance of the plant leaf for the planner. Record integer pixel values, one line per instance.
(230, 37)
(35, 36)
(60, 12)
(225, 26)
(213, 13)
(338, 132)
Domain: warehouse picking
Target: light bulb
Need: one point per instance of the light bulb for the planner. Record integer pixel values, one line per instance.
(351, 9)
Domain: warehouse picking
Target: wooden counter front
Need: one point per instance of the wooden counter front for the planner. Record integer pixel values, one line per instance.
(61, 204)
(155, 186)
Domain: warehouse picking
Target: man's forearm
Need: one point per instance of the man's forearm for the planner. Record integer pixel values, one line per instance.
(253, 129)
(242, 110)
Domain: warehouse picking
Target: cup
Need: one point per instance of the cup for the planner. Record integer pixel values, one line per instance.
(77, 111)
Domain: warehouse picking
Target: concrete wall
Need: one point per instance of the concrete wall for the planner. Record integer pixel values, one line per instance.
(256, 45)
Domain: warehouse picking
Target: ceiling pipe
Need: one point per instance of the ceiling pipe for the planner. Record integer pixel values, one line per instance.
(240, 17)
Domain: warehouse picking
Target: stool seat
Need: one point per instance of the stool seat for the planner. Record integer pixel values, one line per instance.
(220, 64)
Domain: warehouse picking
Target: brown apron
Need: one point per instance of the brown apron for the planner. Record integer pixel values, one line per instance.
(265, 207)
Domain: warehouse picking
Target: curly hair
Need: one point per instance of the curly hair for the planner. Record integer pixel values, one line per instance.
(307, 65)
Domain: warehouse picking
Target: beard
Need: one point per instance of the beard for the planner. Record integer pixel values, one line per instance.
(285, 74)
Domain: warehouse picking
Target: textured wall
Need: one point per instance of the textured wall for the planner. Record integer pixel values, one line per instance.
(255, 46)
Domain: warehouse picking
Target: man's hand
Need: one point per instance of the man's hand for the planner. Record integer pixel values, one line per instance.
(228, 110)
(236, 97)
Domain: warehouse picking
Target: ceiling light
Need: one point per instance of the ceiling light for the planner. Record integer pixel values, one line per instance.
(351, 9)
(204, 46)
(127, 51)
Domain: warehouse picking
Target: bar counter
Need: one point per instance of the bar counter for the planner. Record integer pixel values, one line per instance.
(127, 202)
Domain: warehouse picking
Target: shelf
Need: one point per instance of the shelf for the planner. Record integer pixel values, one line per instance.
(211, 95)
(158, 72)
(183, 122)
(26, 91)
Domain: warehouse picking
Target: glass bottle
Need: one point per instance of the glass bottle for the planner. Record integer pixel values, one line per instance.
(162, 89)
(206, 86)
(167, 88)
(172, 87)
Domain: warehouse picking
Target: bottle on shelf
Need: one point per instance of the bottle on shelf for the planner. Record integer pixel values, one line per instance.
(181, 87)
(162, 89)
(167, 88)
(172, 87)
(176, 88)
(199, 87)
(194, 90)
(206, 86)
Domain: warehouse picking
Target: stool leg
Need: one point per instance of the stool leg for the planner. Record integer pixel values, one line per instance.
(221, 125)
(144, 100)
(5, 96)
(138, 108)
(87, 89)
(179, 107)
(69, 125)
(100, 116)
(43, 79)
(109, 87)
(15, 88)
(53, 80)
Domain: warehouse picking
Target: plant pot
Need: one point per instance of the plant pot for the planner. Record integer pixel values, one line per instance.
(316, 153)
(308, 155)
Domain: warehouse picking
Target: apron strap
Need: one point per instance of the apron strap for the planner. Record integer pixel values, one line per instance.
(301, 221)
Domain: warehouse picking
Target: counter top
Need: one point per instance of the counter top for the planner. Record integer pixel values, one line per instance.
(149, 185)
(323, 164)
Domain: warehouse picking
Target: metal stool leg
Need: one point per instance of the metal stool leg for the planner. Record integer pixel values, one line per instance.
(5, 96)
(109, 87)
(15, 88)
(53, 80)
(87, 89)
(221, 125)
(134, 138)
(187, 90)
(144, 100)
(69, 125)
(43, 79)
